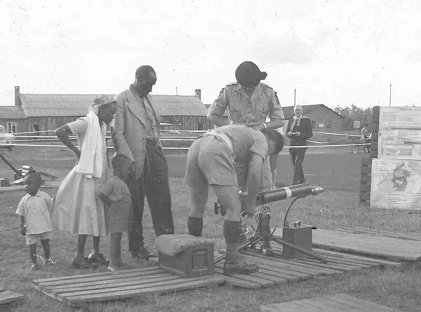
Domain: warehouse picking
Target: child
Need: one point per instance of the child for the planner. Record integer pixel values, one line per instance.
(35, 210)
(116, 196)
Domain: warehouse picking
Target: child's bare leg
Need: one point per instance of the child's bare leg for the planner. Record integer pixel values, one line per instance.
(33, 255)
(46, 245)
(115, 255)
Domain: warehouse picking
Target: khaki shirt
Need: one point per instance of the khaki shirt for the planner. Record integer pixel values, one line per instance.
(251, 111)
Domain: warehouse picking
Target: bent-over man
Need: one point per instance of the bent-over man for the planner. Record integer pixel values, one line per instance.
(211, 162)
(249, 102)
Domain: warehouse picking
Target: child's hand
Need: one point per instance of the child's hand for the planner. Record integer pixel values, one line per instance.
(104, 198)
(22, 230)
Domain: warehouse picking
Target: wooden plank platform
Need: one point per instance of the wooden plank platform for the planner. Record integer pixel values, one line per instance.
(8, 297)
(80, 289)
(331, 303)
(276, 270)
(386, 245)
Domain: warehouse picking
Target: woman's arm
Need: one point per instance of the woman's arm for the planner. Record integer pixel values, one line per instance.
(22, 225)
(63, 135)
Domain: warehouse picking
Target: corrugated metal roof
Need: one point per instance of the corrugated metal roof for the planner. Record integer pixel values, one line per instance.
(38, 105)
(11, 112)
(289, 110)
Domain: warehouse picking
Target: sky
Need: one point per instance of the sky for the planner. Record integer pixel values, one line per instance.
(336, 53)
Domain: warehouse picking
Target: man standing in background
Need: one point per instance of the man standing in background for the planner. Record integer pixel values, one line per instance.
(136, 136)
(298, 131)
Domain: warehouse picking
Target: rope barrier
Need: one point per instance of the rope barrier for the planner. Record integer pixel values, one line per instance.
(186, 148)
(51, 138)
(41, 131)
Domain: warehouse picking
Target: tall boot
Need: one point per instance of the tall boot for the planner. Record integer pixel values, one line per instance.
(195, 226)
(234, 263)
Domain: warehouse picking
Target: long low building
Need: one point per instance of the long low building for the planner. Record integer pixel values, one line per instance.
(49, 111)
(322, 117)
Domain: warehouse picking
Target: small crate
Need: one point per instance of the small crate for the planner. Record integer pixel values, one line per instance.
(299, 236)
(192, 261)
(4, 182)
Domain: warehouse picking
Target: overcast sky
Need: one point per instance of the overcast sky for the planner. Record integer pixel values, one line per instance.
(338, 52)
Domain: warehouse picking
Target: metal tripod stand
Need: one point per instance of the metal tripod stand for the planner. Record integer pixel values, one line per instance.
(263, 233)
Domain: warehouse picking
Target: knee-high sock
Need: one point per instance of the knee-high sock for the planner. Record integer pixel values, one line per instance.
(232, 235)
(195, 226)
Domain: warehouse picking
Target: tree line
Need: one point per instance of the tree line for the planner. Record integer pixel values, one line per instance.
(354, 113)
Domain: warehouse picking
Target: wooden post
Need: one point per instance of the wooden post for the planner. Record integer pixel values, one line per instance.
(365, 181)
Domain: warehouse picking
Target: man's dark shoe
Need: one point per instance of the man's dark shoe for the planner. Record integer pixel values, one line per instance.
(142, 254)
(240, 267)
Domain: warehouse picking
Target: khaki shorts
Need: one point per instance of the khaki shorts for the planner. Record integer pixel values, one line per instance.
(210, 161)
(33, 238)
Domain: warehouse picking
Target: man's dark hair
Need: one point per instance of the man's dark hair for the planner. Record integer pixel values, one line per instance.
(143, 71)
(277, 137)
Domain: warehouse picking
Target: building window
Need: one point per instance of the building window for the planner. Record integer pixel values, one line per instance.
(12, 127)
(328, 124)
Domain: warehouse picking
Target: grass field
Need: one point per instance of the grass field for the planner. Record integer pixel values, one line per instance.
(337, 171)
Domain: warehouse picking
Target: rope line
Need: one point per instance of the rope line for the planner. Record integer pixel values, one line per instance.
(186, 148)
(51, 138)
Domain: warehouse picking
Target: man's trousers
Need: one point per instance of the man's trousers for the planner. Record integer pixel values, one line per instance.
(297, 158)
(155, 186)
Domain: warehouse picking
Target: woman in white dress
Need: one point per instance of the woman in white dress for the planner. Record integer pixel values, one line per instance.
(78, 209)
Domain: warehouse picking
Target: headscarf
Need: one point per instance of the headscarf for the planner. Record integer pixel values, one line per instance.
(249, 75)
(100, 101)
(91, 156)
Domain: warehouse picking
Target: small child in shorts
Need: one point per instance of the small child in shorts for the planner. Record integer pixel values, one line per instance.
(34, 210)
(116, 196)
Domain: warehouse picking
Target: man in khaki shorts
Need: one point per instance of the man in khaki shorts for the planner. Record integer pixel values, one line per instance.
(211, 161)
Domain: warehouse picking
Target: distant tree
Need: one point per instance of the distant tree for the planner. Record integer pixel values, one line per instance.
(354, 113)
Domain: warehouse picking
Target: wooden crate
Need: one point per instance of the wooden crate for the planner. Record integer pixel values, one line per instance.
(194, 261)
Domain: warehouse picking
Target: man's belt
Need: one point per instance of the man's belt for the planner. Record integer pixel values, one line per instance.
(221, 136)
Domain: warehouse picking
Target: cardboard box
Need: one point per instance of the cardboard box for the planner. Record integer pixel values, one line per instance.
(194, 261)
(300, 236)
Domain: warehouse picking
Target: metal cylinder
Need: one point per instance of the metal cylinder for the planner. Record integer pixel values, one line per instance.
(299, 190)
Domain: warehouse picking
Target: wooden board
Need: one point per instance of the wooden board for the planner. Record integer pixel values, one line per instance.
(7, 297)
(331, 303)
(80, 289)
(369, 243)
(278, 270)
